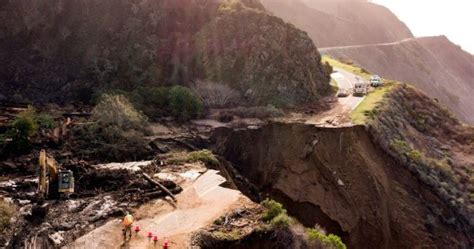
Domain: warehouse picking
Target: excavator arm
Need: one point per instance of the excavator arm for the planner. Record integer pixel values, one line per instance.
(48, 176)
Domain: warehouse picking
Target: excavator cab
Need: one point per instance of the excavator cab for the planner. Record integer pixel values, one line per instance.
(66, 182)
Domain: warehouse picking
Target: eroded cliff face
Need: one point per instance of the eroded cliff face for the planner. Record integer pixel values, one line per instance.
(340, 179)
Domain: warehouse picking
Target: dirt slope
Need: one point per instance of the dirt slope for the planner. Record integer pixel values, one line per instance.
(338, 23)
(433, 64)
(339, 178)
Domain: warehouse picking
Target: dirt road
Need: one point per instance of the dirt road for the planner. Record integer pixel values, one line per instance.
(202, 201)
(339, 114)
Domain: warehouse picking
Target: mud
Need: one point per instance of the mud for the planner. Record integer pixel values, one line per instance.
(100, 194)
(338, 178)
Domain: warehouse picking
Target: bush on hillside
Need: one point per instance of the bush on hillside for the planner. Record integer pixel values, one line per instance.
(152, 101)
(262, 112)
(184, 104)
(118, 132)
(321, 240)
(216, 95)
(273, 209)
(6, 213)
(45, 121)
(281, 221)
(16, 140)
(22, 128)
(204, 156)
(157, 102)
(116, 110)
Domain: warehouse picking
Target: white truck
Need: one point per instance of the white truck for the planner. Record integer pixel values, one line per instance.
(360, 89)
(376, 81)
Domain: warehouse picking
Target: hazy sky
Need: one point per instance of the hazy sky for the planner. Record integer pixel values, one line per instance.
(453, 18)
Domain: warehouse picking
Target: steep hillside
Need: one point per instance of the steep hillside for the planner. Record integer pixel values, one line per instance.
(406, 181)
(338, 23)
(68, 50)
(431, 143)
(433, 64)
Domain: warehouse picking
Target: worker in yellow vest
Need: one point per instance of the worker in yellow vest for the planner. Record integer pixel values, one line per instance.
(127, 226)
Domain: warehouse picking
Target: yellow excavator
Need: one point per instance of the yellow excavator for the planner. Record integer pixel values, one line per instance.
(52, 181)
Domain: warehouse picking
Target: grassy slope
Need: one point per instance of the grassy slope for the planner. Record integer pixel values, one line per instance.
(360, 114)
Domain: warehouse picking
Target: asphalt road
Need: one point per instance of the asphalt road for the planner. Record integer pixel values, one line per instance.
(346, 81)
(202, 201)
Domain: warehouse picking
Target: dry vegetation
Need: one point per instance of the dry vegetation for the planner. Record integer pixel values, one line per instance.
(215, 95)
(266, 226)
(117, 131)
(431, 143)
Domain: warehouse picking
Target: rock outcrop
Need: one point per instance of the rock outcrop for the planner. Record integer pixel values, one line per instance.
(68, 50)
(262, 56)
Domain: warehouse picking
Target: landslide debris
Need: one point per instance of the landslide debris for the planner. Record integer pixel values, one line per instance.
(81, 48)
(101, 193)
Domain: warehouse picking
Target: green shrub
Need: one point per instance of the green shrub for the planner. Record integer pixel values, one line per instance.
(273, 209)
(415, 155)
(45, 121)
(22, 128)
(281, 221)
(184, 104)
(328, 241)
(6, 212)
(153, 101)
(400, 146)
(262, 112)
(118, 133)
(230, 236)
(156, 102)
(116, 110)
(204, 156)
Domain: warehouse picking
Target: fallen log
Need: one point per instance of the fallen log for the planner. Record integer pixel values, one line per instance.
(77, 114)
(148, 178)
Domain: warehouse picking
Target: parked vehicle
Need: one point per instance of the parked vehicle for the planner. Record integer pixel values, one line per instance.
(376, 81)
(360, 89)
(342, 93)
